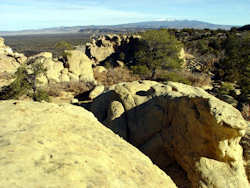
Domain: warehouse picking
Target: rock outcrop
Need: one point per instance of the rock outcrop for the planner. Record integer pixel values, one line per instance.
(9, 60)
(100, 48)
(49, 145)
(245, 142)
(78, 67)
(176, 122)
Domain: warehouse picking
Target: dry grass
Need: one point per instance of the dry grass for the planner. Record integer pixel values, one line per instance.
(194, 79)
(76, 88)
(197, 79)
(114, 76)
(245, 111)
(5, 76)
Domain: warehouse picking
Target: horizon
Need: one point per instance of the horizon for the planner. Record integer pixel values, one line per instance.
(34, 14)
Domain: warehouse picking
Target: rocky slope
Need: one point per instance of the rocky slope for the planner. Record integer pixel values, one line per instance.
(49, 145)
(176, 122)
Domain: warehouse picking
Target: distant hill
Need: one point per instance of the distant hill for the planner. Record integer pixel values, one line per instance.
(178, 24)
(244, 28)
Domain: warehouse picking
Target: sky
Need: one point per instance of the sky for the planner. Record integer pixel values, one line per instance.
(36, 14)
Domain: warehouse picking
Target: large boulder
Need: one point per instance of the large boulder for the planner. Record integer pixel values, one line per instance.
(80, 65)
(9, 60)
(176, 122)
(50, 145)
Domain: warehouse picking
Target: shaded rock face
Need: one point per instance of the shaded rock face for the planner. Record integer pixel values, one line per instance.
(9, 60)
(77, 68)
(99, 49)
(176, 122)
(49, 145)
(245, 142)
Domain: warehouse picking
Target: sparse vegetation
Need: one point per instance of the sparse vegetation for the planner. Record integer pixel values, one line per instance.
(115, 75)
(76, 88)
(157, 49)
(25, 83)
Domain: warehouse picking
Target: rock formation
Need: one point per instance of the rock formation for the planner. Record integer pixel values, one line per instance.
(100, 48)
(78, 67)
(49, 145)
(245, 142)
(9, 60)
(176, 122)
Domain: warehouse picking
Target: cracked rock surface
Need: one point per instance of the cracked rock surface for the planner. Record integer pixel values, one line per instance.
(176, 122)
(62, 146)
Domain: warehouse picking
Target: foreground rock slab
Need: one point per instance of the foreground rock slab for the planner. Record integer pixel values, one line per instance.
(176, 122)
(62, 146)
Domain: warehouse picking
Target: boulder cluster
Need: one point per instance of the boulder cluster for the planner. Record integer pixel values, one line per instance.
(107, 141)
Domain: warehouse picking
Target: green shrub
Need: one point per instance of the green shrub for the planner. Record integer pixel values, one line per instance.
(175, 77)
(25, 82)
(156, 49)
(226, 88)
(41, 95)
(20, 86)
(140, 69)
(235, 67)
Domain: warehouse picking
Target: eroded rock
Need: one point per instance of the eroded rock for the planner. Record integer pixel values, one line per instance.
(177, 122)
(49, 145)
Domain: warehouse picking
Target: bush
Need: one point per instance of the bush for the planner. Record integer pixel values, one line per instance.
(156, 49)
(175, 77)
(76, 88)
(115, 75)
(25, 82)
(235, 67)
(41, 95)
(20, 86)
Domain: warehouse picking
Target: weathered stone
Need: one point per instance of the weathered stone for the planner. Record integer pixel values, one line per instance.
(99, 49)
(182, 123)
(96, 91)
(9, 61)
(100, 69)
(2, 42)
(53, 69)
(80, 65)
(245, 142)
(49, 145)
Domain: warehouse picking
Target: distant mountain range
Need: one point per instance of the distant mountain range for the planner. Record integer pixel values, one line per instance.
(178, 24)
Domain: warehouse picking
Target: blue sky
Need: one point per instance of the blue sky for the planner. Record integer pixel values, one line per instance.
(34, 14)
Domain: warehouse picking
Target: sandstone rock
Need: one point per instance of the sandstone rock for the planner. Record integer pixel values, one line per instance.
(2, 42)
(245, 142)
(8, 64)
(120, 63)
(9, 60)
(74, 101)
(100, 69)
(49, 145)
(47, 55)
(80, 65)
(96, 92)
(100, 48)
(178, 122)
(53, 69)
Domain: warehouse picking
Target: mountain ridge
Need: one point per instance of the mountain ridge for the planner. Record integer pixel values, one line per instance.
(178, 24)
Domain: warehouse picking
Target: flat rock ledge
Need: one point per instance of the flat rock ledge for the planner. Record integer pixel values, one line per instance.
(64, 146)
